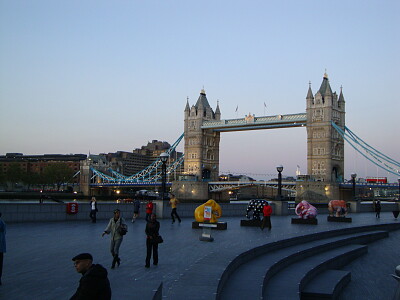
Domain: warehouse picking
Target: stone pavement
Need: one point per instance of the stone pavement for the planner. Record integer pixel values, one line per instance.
(38, 262)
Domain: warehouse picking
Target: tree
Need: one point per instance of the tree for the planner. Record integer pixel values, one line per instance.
(14, 175)
(31, 178)
(57, 173)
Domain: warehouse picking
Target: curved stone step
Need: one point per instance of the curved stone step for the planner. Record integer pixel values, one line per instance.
(327, 285)
(287, 284)
(247, 280)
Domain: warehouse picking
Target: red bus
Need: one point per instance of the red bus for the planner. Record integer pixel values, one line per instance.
(376, 180)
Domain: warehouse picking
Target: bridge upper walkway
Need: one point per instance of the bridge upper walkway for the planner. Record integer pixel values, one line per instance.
(252, 122)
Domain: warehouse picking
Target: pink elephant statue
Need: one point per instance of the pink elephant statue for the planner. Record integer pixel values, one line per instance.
(305, 210)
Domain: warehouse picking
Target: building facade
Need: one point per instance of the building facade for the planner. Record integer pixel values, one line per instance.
(36, 164)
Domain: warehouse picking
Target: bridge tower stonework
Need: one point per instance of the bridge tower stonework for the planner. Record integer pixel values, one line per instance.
(201, 150)
(201, 145)
(325, 146)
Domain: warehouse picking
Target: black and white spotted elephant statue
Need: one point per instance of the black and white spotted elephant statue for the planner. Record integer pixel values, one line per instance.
(255, 205)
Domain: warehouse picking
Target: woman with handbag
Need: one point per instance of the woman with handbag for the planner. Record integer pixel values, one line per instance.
(152, 240)
(114, 227)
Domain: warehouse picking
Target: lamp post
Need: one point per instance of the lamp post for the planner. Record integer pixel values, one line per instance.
(353, 177)
(279, 169)
(164, 157)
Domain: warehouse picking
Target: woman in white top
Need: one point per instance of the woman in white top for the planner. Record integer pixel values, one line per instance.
(93, 209)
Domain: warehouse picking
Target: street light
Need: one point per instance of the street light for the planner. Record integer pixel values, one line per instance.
(164, 157)
(279, 169)
(353, 177)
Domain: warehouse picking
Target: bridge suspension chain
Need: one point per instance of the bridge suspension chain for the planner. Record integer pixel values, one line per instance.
(149, 174)
(378, 158)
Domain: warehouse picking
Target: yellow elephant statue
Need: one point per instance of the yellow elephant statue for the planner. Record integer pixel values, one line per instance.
(216, 211)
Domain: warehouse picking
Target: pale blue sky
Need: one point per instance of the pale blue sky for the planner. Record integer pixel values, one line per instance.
(102, 76)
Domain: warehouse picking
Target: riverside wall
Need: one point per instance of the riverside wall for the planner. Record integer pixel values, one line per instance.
(48, 212)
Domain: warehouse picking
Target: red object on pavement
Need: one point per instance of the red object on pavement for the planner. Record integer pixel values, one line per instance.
(72, 208)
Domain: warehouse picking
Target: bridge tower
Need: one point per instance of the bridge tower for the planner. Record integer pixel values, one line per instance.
(201, 145)
(325, 147)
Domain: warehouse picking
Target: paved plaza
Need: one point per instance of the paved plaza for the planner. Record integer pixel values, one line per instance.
(38, 263)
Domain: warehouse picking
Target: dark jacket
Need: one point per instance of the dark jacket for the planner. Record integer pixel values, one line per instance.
(94, 285)
(152, 229)
(136, 205)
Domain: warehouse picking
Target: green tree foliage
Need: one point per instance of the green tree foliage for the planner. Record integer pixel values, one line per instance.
(57, 173)
(13, 176)
(31, 178)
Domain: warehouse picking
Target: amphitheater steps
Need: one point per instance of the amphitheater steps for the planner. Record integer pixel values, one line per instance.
(248, 279)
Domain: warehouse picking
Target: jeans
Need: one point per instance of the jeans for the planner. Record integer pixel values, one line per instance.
(115, 244)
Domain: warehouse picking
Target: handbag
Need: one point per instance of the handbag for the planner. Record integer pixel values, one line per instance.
(158, 239)
(122, 229)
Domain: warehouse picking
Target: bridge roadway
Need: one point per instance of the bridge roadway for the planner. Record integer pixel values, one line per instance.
(38, 262)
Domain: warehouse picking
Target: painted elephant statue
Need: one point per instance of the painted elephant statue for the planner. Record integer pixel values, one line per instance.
(305, 210)
(216, 211)
(337, 208)
(255, 205)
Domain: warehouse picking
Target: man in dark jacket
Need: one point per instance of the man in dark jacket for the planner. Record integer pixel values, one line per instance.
(94, 284)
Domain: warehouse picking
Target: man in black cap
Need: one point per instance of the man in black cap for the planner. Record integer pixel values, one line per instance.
(94, 284)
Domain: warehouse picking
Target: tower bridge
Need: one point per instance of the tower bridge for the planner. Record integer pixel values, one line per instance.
(325, 147)
(324, 121)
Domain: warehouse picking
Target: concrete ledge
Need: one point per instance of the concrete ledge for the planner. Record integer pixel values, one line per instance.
(260, 250)
(250, 223)
(339, 219)
(217, 226)
(313, 221)
(339, 260)
(327, 285)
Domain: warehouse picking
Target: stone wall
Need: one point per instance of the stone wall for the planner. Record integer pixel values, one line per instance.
(34, 212)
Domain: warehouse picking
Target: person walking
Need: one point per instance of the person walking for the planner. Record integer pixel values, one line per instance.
(149, 209)
(94, 284)
(136, 209)
(93, 209)
(267, 211)
(114, 228)
(378, 209)
(2, 245)
(152, 232)
(174, 203)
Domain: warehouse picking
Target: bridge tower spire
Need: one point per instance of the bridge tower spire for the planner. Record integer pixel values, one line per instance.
(325, 147)
(201, 145)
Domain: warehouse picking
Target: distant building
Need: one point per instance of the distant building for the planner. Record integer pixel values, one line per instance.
(130, 163)
(37, 163)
